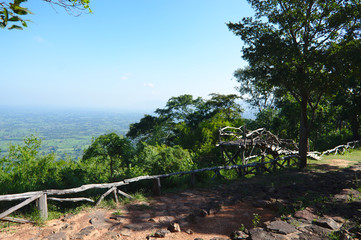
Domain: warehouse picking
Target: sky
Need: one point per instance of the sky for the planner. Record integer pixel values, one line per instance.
(127, 54)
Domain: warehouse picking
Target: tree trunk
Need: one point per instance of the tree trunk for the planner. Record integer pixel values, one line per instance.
(355, 125)
(303, 133)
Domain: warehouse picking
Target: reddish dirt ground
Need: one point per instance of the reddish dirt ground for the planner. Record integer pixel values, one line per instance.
(141, 219)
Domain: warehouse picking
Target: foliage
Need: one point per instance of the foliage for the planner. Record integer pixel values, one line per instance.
(27, 169)
(109, 151)
(189, 123)
(347, 61)
(289, 46)
(256, 220)
(13, 13)
(162, 159)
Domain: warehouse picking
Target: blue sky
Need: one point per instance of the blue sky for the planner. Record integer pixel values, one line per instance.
(128, 54)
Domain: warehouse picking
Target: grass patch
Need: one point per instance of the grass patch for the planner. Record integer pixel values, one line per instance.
(352, 157)
(140, 196)
(108, 204)
(117, 213)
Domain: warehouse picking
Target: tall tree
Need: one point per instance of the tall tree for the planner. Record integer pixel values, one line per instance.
(109, 149)
(347, 61)
(287, 48)
(12, 13)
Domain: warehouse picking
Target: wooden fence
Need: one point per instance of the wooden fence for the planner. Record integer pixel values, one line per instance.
(41, 197)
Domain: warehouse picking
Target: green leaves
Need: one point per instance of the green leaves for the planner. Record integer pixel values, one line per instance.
(287, 48)
(110, 150)
(11, 13)
(15, 27)
(14, 12)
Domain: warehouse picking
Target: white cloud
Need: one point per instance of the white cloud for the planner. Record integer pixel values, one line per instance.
(125, 76)
(151, 85)
(39, 39)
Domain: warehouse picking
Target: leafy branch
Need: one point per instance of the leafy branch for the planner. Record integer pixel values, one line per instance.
(12, 13)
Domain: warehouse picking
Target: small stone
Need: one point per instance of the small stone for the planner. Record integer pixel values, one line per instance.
(86, 231)
(161, 233)
(113, 235)
(138, 227)
(306, 214)
(58, 236)
(114, 226)
(93, 220)
(237, 235)
(189, 231)
(259, 233)
(202, 213)
(165, 219)
(327, 223)
(212, 211)
(125, 232)
(321, 231)
(281, 227)
(116, 217)
(339, 219)
(66, 217)
(66, 227)
(174, 227)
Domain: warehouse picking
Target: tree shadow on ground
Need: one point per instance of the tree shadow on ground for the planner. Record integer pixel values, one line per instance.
(219, 210)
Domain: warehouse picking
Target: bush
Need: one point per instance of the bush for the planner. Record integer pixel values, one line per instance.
(162, 159)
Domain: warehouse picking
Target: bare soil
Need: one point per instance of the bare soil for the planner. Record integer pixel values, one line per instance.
(201, 213)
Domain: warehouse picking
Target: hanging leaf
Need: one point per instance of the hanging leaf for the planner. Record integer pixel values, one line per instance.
(15, 27)
(6, 16)
(23, 23)
(14, 19)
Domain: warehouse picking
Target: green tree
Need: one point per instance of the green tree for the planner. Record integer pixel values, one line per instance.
(110, 151)
(161, 159)
(181, 117)
(27, 169)
(191, 123)
(287, 48)
(12, 13)
(347, 61)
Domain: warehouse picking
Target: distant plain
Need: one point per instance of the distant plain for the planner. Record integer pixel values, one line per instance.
(67, 132)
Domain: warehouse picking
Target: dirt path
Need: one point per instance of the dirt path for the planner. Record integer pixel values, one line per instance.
(200, 213)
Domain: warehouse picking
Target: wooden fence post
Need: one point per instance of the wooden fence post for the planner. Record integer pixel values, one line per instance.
(115, 195)
(274, 166)
(193, 179)
(43, 206)
(156, 186)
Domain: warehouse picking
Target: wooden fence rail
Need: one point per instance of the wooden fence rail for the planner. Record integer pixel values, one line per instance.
(42, 196)
(252, 168)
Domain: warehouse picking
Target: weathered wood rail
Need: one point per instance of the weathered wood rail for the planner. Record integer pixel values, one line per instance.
(342, 148)
(43, 196)
(238, 144)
